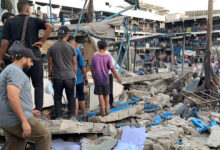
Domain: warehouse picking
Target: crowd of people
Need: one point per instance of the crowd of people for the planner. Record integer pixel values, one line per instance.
(67, 71)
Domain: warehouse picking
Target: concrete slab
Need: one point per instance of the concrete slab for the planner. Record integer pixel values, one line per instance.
(69, 126)
(214, 138)
(118, 115)
(104, 143)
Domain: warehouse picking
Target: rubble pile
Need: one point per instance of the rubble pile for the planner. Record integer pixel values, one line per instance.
(169, 121)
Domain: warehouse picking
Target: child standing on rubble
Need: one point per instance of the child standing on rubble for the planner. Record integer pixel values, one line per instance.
(100, 66)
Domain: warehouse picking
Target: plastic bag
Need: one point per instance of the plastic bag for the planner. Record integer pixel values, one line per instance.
(49, 88)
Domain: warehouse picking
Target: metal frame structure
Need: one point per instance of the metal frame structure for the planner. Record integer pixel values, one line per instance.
(201, 98)
(80, 18)
(126, 29)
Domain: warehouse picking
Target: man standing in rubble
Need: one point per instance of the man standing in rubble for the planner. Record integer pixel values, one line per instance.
(12, 31)
(81, 80)
(16, 106)
(62, 68)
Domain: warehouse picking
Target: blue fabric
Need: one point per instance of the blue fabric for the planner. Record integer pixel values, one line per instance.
(80, 64)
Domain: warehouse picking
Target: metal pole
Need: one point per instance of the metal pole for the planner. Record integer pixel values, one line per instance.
(116, 14)
(80, 18)
(127, 46)
(135, 53)
(184, 42)
(171, 47)
(122, 42)
(128, 54)
(50, 12)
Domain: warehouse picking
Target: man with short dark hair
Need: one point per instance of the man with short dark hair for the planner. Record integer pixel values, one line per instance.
(62, 65)
(16, 106)
(13, 31)
(39, 13)
(5, 17)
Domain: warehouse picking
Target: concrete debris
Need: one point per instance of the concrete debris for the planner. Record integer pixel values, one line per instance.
(161, 85)
(118, 115)
(140, 94)
(161, 100)
(132, 80)
(140, 102)
(180, 81)
(69, 126)
(214, 138)
(205, 116)
(195, 143)
(165, 136)
(178, 122)
(106, 143)
(215, 116)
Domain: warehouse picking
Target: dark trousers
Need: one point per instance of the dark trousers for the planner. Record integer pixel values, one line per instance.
(58, 86)
(111, 89)
(36, 75)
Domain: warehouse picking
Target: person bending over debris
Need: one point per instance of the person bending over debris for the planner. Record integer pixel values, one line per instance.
(16, 106)
(62, 65)
(81, 80)
(100, 66)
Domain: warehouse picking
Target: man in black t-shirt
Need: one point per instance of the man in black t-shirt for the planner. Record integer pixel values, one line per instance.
(12, 31)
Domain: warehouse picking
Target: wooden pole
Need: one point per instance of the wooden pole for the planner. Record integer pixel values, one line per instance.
(208, 51)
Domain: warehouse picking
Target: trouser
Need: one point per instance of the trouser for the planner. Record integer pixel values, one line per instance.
(58, 86)
(111, 89)
(36, 75)
(40, 136)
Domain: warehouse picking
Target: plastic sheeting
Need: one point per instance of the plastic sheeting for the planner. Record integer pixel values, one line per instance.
(103, 30)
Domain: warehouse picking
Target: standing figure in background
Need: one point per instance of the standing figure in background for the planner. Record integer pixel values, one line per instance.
(39, 13)
(82, 80)
(100, 66)
(62, 68)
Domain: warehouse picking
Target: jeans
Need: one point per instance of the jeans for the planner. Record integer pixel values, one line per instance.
(40, 136)
(58, 86)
